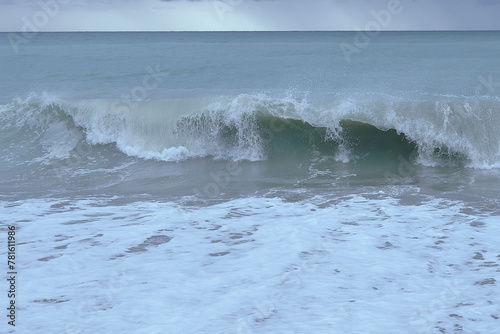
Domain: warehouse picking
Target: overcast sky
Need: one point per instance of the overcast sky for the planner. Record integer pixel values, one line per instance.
(178, 15)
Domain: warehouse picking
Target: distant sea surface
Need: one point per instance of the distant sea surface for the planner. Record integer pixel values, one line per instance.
(252, 182)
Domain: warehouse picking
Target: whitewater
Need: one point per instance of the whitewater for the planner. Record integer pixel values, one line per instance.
(252, 182)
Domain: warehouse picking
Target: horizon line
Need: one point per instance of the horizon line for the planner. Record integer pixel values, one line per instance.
(156, 31)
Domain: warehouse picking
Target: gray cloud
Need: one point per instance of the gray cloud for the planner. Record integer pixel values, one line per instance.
(488, 2)
(252, 14)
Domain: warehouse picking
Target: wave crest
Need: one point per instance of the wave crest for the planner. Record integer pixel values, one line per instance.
(260, 127)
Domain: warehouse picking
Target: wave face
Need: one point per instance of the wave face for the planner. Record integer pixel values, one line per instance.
(256, 127)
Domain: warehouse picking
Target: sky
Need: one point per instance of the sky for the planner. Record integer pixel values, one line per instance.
(253, 15)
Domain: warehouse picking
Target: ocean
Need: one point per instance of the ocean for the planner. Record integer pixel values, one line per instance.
(251, 182)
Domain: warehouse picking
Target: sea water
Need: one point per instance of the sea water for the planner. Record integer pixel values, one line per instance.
(252, 182)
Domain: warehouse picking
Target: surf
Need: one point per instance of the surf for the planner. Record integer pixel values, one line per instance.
(257, 127)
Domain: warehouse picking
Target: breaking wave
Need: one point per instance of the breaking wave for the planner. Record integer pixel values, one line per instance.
(256, 127)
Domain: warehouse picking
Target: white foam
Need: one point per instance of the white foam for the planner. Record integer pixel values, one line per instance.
(254, 265)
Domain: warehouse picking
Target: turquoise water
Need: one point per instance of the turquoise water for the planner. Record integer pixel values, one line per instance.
(266, 182)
